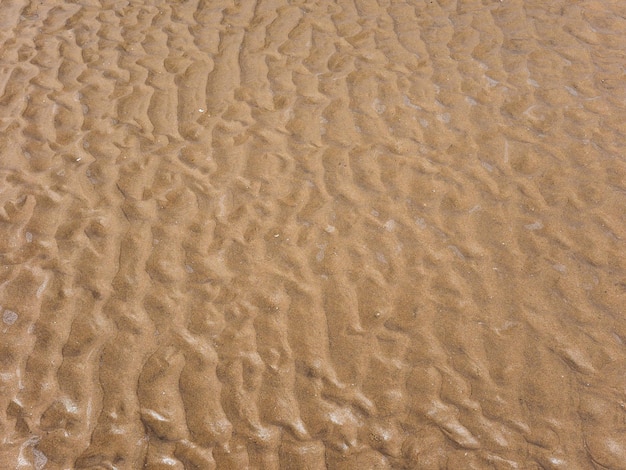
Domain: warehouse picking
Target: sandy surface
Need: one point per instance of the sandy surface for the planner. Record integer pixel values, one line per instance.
(348, 234)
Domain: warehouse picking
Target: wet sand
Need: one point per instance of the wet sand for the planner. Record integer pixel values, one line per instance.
(348, 234)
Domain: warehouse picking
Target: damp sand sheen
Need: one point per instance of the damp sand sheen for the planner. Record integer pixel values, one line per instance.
(348, 234)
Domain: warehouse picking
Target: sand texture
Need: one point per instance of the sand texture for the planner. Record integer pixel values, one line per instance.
(292, 234)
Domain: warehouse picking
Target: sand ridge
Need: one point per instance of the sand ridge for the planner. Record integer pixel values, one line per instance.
(331, 234)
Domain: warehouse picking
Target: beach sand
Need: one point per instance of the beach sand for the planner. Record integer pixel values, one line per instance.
(350, 234)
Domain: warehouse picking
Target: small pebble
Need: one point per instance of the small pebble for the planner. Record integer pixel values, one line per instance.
(9, 317)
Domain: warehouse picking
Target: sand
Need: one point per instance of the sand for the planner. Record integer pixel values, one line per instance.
(351, 234)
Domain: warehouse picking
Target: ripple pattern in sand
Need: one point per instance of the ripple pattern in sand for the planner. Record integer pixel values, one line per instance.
(312, 234)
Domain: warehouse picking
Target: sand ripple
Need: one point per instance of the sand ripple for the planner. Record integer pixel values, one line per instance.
(336, 234)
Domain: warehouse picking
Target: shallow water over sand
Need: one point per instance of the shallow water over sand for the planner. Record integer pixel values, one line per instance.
(313, 234)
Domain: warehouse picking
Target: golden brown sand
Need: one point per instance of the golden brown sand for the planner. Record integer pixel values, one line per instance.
(348, 234)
